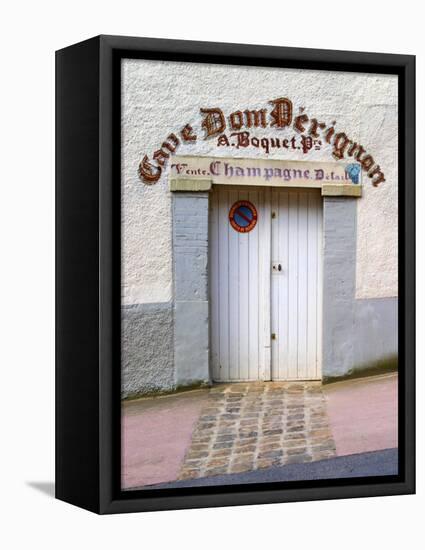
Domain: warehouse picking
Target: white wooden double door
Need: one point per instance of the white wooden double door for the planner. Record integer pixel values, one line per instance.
(266, 286)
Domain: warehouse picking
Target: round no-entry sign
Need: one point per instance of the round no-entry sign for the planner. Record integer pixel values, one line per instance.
(243, 216)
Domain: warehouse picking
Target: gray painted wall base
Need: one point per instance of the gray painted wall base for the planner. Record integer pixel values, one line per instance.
(376, 331)
(147, 353)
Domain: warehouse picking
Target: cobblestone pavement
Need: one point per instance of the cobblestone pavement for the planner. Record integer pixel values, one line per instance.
(247, 426)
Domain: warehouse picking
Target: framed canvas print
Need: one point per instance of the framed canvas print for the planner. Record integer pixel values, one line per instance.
(235, 274)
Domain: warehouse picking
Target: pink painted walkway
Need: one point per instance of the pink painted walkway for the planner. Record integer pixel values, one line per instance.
(156, 433)
(363, 414)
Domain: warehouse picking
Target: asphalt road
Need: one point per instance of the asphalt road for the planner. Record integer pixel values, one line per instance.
(376, 463)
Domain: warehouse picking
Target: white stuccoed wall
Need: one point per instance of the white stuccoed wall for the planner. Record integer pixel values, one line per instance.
(161, 97)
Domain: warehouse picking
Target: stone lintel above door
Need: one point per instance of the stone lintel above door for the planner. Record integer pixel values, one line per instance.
(193, 173)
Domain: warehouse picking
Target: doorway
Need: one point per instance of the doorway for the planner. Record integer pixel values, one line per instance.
(265, 270)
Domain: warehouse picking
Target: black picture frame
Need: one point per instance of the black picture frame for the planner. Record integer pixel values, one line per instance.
(88, 274)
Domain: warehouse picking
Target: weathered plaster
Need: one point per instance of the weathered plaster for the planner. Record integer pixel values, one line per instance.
(161, 97)
(377, 216)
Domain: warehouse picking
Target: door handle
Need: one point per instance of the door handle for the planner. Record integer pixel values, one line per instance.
(279, 267)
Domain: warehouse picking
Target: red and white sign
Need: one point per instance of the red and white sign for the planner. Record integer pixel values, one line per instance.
(243, 216)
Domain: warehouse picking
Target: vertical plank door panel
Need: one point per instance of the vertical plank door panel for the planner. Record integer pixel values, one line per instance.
(296, 291)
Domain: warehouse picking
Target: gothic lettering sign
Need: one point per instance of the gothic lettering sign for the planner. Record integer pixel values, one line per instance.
(263, 172)
(236, 131)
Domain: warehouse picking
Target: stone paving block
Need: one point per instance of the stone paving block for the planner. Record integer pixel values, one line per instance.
(246, 426)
